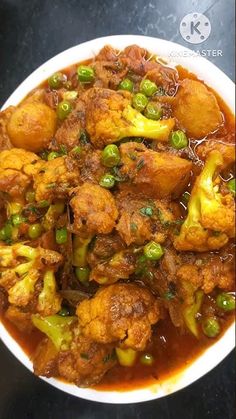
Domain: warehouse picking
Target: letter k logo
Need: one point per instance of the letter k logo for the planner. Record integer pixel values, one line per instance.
(195, 28)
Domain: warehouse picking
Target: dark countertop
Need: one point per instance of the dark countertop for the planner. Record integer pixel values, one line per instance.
(30, 33)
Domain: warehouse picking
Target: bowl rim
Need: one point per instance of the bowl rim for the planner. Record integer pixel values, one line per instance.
(215, 78)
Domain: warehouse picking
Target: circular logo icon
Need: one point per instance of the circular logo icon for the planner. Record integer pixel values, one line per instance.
(195, 28)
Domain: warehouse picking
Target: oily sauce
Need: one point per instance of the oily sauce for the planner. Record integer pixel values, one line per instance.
(172, 352)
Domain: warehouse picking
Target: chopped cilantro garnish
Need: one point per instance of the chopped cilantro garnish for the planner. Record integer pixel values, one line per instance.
(133, 227)
(83, 355)
(146, 211)
(140, 164)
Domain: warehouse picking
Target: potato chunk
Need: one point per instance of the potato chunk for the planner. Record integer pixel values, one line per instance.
(196, 109)
(157, 175)
(31, 126)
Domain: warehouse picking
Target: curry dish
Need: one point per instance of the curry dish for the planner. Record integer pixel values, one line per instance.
(117, 220)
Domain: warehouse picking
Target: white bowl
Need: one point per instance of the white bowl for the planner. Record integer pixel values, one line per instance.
(215, 78)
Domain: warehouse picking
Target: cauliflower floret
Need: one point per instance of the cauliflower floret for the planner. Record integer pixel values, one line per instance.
(196, 109)
(32, 278)
(54, 178)
(156, 175)
(49, 301)
(75, 357)
(94, 210)
(121, 313)
(142, 219)
(110, 117)
(120, 266)
(23, 290)
(68, 134)
(45, 358)
(92, 168)
(16, 158)
(13, 179)
(31, 126)
(207, 276)
(87, 362)
(210, 221)
(227, 150)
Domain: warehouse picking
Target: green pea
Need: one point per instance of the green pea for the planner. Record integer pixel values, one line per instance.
(148, 87)
(53, 155)
(178, 139)
(61, 235)
(6, 232)
(85, 74)
(153, 251)
(110, 155)
(56, 80)
(30, 196)
(82, 274)
(153, 111)
(139, 102)
(63, 109)
(226, 301)
(64, 312)
(107, 181)
(17, 219)
(147, 359)
(232, 186)
(35, 231)
(210, 327)
(126, 84)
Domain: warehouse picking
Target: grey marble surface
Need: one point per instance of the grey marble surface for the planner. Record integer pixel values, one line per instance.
(31, 32)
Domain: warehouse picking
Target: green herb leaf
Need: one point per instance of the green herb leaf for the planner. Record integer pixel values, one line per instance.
(117, 175)
(51, 185)
(146, 211)
(84, 138)
(63, 150)
(216, 233)
(140, 164)
(169, 295)
(132, 156)
(84, 355)
(133, 227)
(109, 357)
